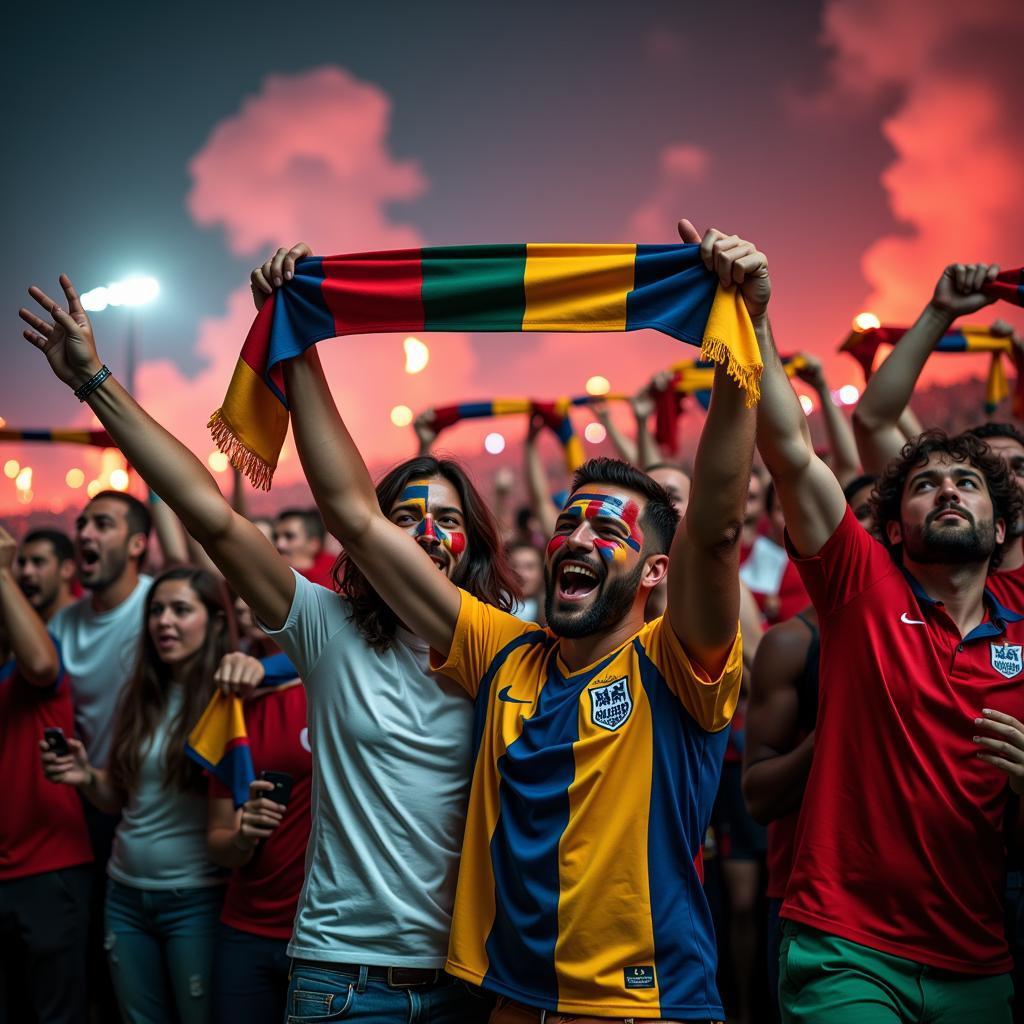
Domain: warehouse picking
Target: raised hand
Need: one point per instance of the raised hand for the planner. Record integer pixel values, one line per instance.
(424, 427)
(239, 674)
(642, 403)
(958, 291)
(812, 372)
(735, 261)
(67, 342)
(275, 271)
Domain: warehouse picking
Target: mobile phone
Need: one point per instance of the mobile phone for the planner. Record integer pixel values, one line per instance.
(56, 742)
(282, 791)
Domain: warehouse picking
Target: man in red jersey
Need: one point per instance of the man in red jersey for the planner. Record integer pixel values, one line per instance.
(893, 909)
(44, 846)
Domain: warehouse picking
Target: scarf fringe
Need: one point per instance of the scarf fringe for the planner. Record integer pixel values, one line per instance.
(747, 377)
(253, 467)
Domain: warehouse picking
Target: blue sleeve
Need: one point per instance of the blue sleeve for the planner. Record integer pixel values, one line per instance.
(279, 669)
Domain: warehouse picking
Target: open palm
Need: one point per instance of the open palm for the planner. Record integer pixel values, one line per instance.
(67, 342)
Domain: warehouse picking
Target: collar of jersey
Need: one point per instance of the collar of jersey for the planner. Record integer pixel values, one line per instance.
(595, 666)
(998, 614)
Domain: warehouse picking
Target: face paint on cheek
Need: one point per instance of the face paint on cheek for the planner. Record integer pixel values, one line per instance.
(605, 506)
(455, 543)
(554, 544)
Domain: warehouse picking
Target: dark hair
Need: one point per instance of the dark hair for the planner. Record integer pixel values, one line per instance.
(1007, 503)
(312, 523)
(523, 517)
(63, 549)
(685, 470)
(859, 483)
(482, 570)
(143, 701)
(658, 518)
(136, 513)
(986, 430)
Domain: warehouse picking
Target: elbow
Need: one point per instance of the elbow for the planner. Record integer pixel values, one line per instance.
(41, 670)
(719, 539)
(864, 420)
(758, 806)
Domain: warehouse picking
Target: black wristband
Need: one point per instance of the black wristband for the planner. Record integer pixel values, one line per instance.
(93, 383)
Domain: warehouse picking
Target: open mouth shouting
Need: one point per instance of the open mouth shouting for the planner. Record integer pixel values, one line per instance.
(575, 580)
(88, 560)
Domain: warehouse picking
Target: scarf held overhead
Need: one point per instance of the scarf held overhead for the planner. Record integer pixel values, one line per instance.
(525, 287)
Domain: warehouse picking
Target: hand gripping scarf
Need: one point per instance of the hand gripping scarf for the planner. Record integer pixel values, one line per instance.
(528, 287)
(95, 438)
(692, 377)
(863, 345)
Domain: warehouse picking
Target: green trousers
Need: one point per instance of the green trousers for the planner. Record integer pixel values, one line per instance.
(823, 978)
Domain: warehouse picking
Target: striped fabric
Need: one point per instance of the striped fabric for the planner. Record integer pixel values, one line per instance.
(219, 742)
(96, 438)
(524, 287)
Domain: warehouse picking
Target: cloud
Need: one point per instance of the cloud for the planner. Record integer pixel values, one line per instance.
(681, 165)
(950, 76)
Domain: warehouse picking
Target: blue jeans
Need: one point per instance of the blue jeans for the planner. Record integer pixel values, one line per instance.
(326, 994)
(250, 977)
(160, 948)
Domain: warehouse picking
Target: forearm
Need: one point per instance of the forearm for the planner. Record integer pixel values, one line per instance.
(101, 792)
(783, 437)
(334, 468)
(774, 786)
(537, 485)
(626, 449)
(843, 447)
(648, 452)
(228, 849)
(163, 461)
(169, 531)
(33, 650)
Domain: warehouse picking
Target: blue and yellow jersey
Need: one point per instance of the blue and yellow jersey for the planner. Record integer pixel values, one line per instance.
(578, 890)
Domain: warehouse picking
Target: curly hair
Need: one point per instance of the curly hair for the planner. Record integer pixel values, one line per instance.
(1007, 503)
(483, 570)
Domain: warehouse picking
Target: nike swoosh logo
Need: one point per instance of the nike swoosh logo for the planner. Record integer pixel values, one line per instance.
(503, 695)
(911, 622)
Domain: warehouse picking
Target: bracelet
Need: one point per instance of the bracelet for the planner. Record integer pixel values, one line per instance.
(93, 383)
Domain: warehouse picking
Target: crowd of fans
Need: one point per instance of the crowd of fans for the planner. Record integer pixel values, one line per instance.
(134, 886)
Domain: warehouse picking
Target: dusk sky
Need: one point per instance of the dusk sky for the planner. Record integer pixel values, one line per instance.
(862, 145)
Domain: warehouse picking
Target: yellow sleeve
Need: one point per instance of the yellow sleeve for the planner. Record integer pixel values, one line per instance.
(710, 702)
(481, 632)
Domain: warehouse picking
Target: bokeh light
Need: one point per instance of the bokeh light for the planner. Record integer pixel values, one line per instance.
(94, 488)
(417, 355)
(595, 432)
(598, 385)
(494, 443)
(806, 404)
(119, 480)
(848, 394)
(866, 322)
(218, 462)
(25, 497)
(401, 415)
(74, 478)
(23, 481)
(12, 467)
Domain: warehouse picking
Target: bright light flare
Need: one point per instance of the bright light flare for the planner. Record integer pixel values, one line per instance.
(23, 481)
(806, 404)
(401, 415)
(94, 488)
(417, 355)
(12, 467)
(866, 322)
(595, 433)
(119, 480)
(3, 423)
(494, 443)
(598, 385)
(218, 462)
(136, 290)
(848, 394)
(74, 478)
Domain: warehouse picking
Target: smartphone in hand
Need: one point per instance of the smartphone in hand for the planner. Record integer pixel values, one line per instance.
(282, 791)
(56, 742)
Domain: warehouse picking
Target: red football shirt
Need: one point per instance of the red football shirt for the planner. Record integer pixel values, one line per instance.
(261, 897)
(900, 842)
(42, 827)
(321, 571)
(1008, 587)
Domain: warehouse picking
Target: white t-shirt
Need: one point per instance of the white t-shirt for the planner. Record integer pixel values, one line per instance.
(391, 772)
(99, 651)
(161, 840)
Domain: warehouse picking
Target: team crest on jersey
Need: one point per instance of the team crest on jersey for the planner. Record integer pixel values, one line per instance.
(611, 704)
(1006, 659)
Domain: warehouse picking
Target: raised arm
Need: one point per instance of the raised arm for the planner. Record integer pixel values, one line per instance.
(537, 478)
(245, 557)
(30, 644)
(426, 435)
(703, 575)
(648, 452)
(841, 444)
(393, 562)
(625, 447)
(877, 416)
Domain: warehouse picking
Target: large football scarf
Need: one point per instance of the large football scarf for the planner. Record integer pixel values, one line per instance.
(95, 438)
(525, 287)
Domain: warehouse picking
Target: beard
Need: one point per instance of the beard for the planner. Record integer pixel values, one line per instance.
(108, 569)
(971, 543)
(609, 606)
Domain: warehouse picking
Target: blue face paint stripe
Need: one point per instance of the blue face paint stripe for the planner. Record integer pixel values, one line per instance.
(685, 766)
(535, 772)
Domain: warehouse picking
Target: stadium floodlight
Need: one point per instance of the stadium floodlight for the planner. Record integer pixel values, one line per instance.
(132, 291)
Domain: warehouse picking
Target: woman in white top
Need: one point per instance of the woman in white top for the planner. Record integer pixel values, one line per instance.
(164, 896)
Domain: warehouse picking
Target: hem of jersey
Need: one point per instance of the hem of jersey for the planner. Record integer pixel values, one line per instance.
(343, 955)
(564, 1006)
(914, 954)
(148, 885)
(282, 934)
(17, 874)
